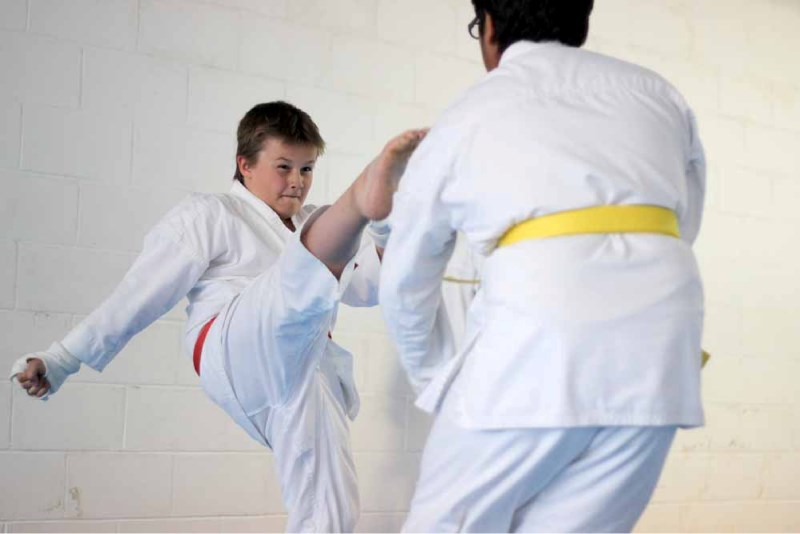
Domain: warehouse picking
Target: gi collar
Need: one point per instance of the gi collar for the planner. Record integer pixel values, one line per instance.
(521, 48)
(239, 190)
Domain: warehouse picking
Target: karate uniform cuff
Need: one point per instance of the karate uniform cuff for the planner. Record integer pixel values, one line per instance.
(380, 231)
(58, 363)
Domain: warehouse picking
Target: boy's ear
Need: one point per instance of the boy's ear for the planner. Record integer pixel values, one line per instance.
(244, 166)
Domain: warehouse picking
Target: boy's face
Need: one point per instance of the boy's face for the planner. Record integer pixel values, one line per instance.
(281, 176)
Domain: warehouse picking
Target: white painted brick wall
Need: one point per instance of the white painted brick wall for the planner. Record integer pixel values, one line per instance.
(268, 523)
(371, 522)
(91, 275)
(381, 425)
(346, 121)
(82, 143)
(39, 69)
(371, 68)
(63, 526)
(33, 485)
(10, 133)
(419, 24)
(112, 485)
(386, 480)
(8, 271)
(442, 78)
(192, 422)
(85, 417)
(38, 208)
(111, 23)
(734, 477)
(171, 525)
(22, 332)
(177, 156)
(133, 212)
(110, 112)
(189, 31)
(273, 8)
(281, 50)
(781, 473)
(15, 15)
(217, 97)
(128, 84)
(225, 484)
(5, 415)
(344, 16)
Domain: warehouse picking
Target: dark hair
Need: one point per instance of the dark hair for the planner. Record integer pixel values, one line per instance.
(274, 119)
(565, 21)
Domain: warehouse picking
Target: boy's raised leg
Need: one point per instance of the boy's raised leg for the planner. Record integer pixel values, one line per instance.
(334, 236)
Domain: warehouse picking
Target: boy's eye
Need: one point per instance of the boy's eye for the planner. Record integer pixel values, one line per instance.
(283, 167)
(307, 170)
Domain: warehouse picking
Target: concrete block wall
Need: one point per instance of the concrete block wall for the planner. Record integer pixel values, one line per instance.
(112, 111)
(734, 61)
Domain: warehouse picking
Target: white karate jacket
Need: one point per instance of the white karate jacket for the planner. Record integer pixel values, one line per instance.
(597, 330)
(209, 248)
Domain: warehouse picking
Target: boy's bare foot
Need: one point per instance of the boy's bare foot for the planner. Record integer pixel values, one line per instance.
(377, 183)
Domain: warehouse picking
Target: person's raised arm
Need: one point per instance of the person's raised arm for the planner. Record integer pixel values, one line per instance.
(162, 274)
(414, 262)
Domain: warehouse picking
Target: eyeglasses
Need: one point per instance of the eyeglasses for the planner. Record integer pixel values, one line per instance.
(474, 27)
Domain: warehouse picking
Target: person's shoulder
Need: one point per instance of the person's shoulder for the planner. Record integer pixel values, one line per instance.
(599, 68)
(196, 210)
(474, 100)
(466, 111)
(204, 204)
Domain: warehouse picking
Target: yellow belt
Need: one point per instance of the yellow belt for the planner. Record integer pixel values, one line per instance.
(598, 220)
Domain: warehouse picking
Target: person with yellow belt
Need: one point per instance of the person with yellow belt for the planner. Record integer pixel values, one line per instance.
(580, 179)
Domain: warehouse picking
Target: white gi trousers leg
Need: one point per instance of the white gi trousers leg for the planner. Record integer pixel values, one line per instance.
(289, 397)
(536, 480)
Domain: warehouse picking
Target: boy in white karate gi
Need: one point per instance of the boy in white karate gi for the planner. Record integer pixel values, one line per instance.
(580, 178)
(264, 275)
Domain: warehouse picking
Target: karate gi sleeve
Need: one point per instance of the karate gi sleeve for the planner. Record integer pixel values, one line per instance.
(362, 289)
(691, 216)
(414, 263)
(161, 275)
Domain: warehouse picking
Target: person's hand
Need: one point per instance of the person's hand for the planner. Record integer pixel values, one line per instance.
(32, 379)
(43, 373)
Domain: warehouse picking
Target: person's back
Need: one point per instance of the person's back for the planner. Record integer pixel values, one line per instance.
(581, 178)
(554, 129)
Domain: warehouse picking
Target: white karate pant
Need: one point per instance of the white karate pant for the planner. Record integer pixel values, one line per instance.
(536, 480)
(272, 372)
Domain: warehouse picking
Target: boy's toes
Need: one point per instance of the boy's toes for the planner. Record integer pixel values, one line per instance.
(408, 141)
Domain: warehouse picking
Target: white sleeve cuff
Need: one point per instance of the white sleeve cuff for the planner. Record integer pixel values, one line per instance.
(58, 363)
(380, 231)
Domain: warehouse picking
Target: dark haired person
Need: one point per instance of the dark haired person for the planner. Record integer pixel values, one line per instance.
(264, 275)
(581, 179)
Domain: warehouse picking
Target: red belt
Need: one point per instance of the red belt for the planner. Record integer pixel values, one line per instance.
(198, 345)
(201, 338)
